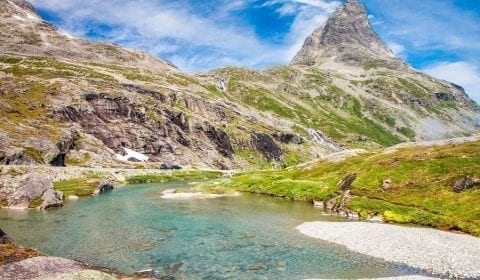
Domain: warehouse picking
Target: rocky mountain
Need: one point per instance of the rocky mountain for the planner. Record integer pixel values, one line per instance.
(67, 101)
(346, 37)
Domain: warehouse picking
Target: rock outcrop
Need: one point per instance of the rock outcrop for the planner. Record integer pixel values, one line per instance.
(20, 191)
(347, 37)
(466, 183)
(264, 144)
(103, 186)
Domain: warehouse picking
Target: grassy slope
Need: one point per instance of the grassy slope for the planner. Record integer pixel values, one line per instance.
(333, 111)
(420, 194)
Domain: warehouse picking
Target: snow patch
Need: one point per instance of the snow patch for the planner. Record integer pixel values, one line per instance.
(132, 154)
(321, 140)
(67, 35)
(19, 18)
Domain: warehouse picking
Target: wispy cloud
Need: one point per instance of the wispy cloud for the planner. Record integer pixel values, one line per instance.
(207, 35)
(462, 73)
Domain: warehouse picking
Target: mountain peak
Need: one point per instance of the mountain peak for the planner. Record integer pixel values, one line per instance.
(347, 37)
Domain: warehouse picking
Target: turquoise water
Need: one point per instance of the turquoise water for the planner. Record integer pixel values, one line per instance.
(247, 237)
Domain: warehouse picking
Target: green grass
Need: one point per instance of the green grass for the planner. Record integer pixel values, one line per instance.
(78, 186)
(420, 194)
(410, 133)
(168, 176)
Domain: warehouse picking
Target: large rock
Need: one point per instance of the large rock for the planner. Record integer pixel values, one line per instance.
(466, 183)
(16, 156)
(50, 268)
(51, 198)
(21, 190)
(4, 238)
(289, 138)
(103, 186)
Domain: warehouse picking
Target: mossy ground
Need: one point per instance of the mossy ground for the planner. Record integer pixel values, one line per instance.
(77, 186)
(10, 253)
(420, 193)
(168, 176)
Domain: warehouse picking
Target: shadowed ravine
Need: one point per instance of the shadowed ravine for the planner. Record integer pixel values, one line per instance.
(245, 237)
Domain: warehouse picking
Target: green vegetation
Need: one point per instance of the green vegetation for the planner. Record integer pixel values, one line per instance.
(36, 203)
(420, 192)
(78, 186)
(413, 88)
(410, 133)
(374, 64)
(168, 176)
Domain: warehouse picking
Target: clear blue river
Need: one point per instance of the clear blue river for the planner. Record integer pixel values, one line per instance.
(246, 237)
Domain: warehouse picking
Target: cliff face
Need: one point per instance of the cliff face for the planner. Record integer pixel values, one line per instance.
(67, 101)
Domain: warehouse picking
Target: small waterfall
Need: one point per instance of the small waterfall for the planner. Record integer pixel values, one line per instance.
(322, 141)
(223, 87)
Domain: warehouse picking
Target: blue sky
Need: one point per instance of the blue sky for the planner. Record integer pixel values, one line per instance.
(440, 37)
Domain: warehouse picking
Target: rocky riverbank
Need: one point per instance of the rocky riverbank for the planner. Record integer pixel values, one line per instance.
(43, 186)
(440, 253)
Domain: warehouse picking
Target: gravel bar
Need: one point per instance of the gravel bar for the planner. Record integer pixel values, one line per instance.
(441, 253)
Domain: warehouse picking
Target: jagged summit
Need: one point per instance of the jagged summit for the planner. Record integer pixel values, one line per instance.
(347, 37)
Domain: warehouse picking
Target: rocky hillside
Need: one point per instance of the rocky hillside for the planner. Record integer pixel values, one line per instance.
(67, 101)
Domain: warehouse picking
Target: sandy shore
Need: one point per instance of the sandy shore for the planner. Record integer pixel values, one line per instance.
(172, 194)
(444, 253)
(413, 277)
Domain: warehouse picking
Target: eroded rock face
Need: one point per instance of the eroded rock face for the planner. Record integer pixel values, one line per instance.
(220, 138)
(264, 144)
(121, 123)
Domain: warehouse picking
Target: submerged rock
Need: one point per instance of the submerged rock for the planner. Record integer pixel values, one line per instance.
(257, 266)
(172, 268)
(145, 273)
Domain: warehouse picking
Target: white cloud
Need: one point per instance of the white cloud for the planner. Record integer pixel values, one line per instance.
(396, 48)
(462, 73)
(201, 38)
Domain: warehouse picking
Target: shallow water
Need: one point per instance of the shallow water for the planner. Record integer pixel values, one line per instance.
(132, 228)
